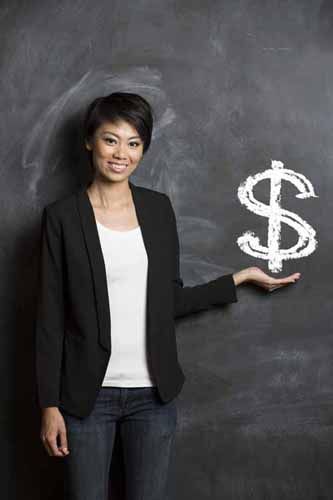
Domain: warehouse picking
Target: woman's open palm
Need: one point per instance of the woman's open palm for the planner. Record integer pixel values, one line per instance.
(259, 278)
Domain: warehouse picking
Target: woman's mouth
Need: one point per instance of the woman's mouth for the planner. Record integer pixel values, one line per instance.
(117, 167)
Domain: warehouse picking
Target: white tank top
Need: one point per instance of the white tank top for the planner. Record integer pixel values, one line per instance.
(126, 266)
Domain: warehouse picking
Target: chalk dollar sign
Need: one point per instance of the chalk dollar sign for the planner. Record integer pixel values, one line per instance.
(276, 215)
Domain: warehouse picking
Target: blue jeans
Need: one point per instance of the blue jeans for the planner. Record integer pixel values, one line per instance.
(147, 426)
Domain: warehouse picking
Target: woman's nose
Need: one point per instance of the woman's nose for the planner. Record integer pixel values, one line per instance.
(120, 152)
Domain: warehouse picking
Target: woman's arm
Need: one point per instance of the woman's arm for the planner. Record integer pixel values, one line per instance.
(49, 332)
(49, 336)
(189, 299)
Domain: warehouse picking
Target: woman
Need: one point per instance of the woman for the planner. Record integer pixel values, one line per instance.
(96, 245)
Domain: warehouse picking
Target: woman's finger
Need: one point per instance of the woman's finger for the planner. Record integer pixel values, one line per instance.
(52, 442)
(278, 281)
(63, 442)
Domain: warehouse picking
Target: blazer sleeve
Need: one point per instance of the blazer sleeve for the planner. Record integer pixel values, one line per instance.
(189, 299)
(49, 329)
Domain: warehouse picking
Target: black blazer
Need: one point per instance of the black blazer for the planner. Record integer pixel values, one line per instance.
(73, 331)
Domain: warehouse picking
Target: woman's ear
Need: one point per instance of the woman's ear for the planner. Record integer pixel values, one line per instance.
(88, 145)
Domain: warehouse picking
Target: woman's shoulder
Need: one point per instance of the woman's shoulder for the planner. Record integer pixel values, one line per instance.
(154, 193)
(148, 191)
(62, 203)
(159, 199)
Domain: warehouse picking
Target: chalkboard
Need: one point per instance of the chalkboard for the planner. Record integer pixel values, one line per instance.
(237, 87)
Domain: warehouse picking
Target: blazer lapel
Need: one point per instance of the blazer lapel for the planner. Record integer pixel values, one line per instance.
(96, 259)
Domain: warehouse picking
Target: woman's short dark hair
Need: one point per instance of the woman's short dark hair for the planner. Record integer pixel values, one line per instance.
(132, 108)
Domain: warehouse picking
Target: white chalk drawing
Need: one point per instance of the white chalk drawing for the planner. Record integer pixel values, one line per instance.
(249, 243)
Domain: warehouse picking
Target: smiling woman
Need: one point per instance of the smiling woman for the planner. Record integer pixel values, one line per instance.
(106, 350)
(115, 149)
(118, 131)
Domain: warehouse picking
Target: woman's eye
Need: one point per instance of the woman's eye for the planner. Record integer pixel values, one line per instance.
(108, 139)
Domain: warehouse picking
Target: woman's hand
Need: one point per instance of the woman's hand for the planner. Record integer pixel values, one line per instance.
(53, 424)
(256, 276)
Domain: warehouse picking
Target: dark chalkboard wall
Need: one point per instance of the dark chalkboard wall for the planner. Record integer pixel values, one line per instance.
(234, 84)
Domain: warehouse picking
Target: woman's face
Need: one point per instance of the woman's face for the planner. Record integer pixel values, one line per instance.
(116, 150)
